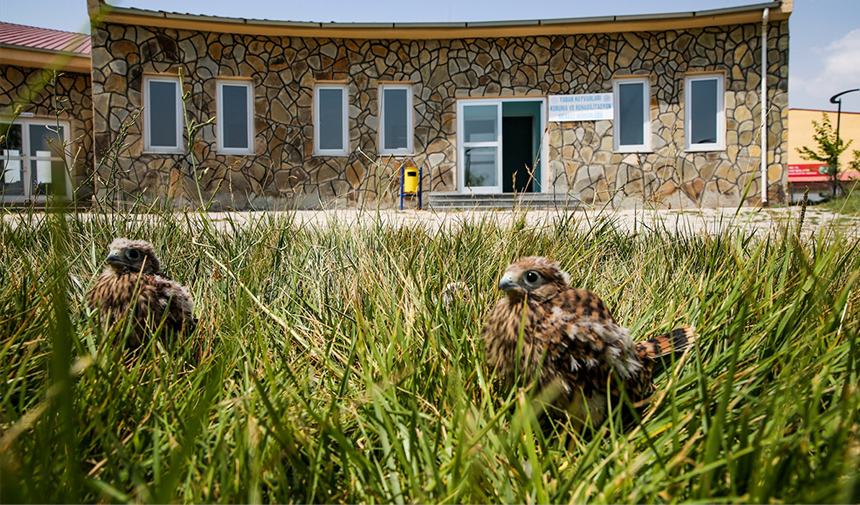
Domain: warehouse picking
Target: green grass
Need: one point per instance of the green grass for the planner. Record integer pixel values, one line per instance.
(848, 204)
(326, 369)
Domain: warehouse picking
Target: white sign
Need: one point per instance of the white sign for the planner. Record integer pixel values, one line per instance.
(591, 107)
(12, 170)
(43, 168)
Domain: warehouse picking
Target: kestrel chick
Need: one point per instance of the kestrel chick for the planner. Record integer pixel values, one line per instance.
(133, 284)
(456, 292)
(571, 345)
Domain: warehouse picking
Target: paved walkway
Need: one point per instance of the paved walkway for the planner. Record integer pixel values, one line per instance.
(688, 222)
(633, 221)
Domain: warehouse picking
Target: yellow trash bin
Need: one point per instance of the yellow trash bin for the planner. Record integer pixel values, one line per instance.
(410, 180)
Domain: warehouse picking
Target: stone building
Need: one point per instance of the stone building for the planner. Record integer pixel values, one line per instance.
(46, 114)
(620, 110)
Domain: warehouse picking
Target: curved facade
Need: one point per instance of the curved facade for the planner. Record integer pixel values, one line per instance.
(455, 85)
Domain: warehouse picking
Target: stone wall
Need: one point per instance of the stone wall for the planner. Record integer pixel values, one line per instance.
(35, 90)
(582, 157)
(284, 171)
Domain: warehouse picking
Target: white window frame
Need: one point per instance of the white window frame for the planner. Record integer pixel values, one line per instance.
(219, 111)
(345, 126)
(25, 159)
(410, 119)
(645, 146)
(720, 144)
(463, 145)
(147, 121)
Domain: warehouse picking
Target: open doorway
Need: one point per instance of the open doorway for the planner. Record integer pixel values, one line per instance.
(521, 146)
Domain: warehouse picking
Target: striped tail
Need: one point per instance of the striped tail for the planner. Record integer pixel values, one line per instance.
(667, 345)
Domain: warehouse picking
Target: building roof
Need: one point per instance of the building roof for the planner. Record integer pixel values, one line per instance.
(779, 10)
(44, 38)
(31, 47)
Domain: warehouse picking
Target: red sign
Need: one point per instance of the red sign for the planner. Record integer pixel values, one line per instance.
(817, 173)
(809, 173)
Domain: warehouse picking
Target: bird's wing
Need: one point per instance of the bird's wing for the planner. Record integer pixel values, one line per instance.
(169, 300)
(583, 342)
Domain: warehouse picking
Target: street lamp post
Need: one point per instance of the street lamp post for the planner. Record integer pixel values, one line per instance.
(835, 99)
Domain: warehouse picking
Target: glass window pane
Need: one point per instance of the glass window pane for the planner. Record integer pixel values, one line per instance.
(234, 116)
(631, 113)
(331, 118)
(394, 104)
(46, 141)
(480, 166)
(162, 114)
(12, 183)
(480, 123)
(703, 111)
(48, 177)
(11, 134)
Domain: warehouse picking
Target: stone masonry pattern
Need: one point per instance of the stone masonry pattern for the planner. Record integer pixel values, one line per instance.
(284, 172)
(36, 90)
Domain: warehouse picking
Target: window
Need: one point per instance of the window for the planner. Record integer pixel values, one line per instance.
(330, 120)
(235, 117)
(705, 118)
(31, 160)
(632, 106)
(395, 119)
(479, 138)
(162, 114)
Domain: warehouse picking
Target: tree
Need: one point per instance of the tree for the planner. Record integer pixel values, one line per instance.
(855, 164)
(828, 148)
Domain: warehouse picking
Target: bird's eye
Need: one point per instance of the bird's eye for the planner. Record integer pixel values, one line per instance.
(132, 254)
(532, 277)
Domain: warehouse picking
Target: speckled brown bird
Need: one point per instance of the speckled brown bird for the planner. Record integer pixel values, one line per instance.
(570, 343)
(133, 285)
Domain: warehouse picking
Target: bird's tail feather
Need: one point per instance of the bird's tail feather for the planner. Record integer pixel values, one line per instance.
(673, 343)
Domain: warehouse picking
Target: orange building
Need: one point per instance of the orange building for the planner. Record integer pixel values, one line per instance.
(804, 173)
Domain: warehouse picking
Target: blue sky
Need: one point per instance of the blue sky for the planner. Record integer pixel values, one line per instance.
(824, 51)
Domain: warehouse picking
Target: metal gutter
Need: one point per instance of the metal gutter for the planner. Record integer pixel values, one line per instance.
(740, 8)
(573, 21)
(763, 101)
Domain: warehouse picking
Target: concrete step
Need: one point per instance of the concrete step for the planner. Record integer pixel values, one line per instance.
(503, 201)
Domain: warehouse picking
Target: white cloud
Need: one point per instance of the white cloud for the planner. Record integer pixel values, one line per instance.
(844, 56)
(839, 70)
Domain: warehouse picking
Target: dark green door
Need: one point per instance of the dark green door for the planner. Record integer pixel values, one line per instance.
(517, 154)
(521, 137)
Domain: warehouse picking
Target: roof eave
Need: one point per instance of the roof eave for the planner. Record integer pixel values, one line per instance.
(779, 10)
(45, 58)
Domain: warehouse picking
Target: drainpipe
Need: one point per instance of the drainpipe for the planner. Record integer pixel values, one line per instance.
(763, 100)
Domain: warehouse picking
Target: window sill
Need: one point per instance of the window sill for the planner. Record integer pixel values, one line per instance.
(704, 149)
(632, 151)
(235, 153)
(162, 152)
(330, 155)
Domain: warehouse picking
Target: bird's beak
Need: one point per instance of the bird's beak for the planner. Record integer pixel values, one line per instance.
(115, 259)
(507, 283)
